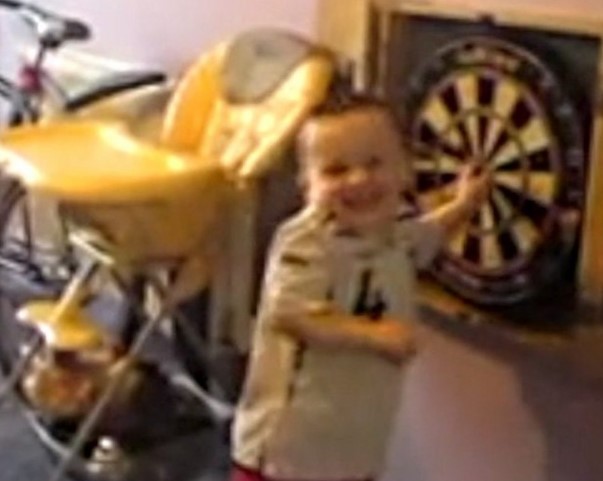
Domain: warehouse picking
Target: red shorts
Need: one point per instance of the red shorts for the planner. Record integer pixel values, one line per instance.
(240, 473)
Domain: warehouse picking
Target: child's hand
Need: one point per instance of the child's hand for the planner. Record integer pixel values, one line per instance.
(473, 185)
(395, 341)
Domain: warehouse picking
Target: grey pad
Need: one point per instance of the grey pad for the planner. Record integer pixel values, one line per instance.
(258, 61)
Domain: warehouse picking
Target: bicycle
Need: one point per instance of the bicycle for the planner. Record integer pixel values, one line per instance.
(23, 102)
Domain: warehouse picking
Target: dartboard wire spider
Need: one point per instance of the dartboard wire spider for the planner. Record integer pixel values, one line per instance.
(500, 221)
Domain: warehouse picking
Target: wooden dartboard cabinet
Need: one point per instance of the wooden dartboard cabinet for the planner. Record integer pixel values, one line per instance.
(517, 90)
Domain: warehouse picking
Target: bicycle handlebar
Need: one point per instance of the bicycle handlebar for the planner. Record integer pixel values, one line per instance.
(10, 4)
(52, 30)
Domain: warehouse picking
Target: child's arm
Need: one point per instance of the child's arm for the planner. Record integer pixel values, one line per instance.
(430, 229)
(472, 191)
(329, 329)
(294, 303)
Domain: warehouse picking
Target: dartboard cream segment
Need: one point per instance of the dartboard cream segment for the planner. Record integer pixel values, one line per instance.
(503, 206)
(467, 92)
(524, 233)
(534, 137)
(437, 115)
(523, 230)
(539, 186)
(542, 187)
(443, 163)
(457, 242)
(506, 96)
(491, 255)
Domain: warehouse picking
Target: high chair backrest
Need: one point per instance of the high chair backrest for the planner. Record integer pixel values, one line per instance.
(241, 102)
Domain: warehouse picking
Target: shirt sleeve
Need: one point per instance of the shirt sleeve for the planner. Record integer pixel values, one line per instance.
(427, 238)
(296, 276)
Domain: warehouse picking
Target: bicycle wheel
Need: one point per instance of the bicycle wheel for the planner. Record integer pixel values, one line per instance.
(33, 264)
(14, 109)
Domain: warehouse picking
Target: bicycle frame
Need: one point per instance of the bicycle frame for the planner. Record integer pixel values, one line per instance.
(39, 90)
(36, 88)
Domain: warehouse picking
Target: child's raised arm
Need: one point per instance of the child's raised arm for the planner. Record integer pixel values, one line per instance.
(472, 190)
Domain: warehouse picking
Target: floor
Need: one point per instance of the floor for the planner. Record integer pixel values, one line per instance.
(477, 407)
(22, 457)
(203, 457)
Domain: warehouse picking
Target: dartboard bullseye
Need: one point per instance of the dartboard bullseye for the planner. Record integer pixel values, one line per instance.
(488, 101)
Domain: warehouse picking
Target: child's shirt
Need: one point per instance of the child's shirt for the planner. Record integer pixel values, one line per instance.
(312, 413)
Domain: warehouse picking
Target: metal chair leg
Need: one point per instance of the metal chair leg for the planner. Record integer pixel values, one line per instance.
(71, 295)
(10, 383)
(92, 418)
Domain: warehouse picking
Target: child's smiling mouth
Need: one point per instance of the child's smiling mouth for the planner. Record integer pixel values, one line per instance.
(367, 200)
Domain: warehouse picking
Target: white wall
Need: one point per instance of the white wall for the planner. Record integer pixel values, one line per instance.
(171, 33)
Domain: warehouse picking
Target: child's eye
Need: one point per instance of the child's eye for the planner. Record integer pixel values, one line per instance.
(373, 162)
(334, 170)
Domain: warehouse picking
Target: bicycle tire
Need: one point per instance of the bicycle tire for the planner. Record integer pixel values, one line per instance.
(24, 273)
(14, 108)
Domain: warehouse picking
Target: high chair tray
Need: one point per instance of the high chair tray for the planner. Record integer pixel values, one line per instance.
(99, 162)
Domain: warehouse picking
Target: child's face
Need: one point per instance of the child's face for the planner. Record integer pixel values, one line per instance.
(352, 167)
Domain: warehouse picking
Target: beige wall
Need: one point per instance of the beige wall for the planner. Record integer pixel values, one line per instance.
(578, 6)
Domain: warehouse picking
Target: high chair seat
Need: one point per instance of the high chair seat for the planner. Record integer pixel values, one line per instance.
(257, 62)
(242, 103)
(101, 163)
(233, 114)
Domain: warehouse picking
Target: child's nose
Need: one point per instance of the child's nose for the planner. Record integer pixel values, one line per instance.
(357, 175)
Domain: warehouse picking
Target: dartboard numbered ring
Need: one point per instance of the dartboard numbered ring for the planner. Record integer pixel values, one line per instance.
(486, 100)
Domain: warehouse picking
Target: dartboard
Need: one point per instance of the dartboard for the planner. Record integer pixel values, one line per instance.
(494, 103)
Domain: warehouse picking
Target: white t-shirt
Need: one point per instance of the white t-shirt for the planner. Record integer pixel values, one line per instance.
(312, 413)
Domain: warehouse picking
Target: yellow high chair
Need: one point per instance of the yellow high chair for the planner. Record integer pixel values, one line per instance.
(135, 209)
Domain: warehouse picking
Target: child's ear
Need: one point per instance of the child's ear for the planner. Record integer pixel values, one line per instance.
(304, 187)
(302, 182)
